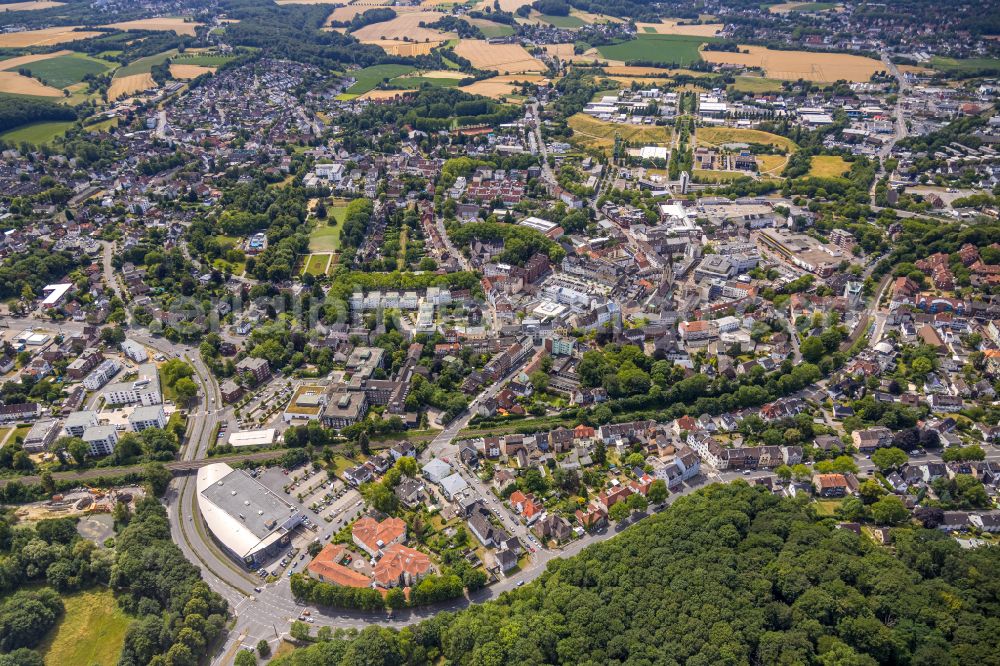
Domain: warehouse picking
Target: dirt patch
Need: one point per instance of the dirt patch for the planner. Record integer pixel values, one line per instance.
(44, 37)
(673, 27)
(186, 72)
(12, 64)
(502, 58)
(176, 24)
(27, 6)
(384, 94)
(794, 65)
(12, 82)
(505, 5)
(129, 85)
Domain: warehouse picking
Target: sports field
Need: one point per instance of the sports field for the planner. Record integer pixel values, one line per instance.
(91, 631)
(828, 166)
(794, 65)
(664, 49)
(37, 133)
(589, 132)
(366, 79)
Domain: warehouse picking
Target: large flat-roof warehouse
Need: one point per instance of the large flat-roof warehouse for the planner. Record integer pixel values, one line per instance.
(247, 518)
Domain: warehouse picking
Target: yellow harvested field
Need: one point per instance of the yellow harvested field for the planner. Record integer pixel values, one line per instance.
(406, 49)
(129, 85)
(505, 5)
(384, 94)
(673, 27)
(914, 69)
(502, 58)
(405, 27)
(348, 12)
(186, 72)
(12, 64)
(559, 50)
(593, 133)
(589, 18)
(27, 6)
(716, 136)
(435, 3)
(786, 7)
(501, 86)
(440, 74)
(44, 37)
(166, 24)
(795, 65)
(309, 2)
(12, 82)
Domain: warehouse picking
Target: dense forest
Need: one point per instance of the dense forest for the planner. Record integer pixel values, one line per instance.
(729, 575)
(17, 111)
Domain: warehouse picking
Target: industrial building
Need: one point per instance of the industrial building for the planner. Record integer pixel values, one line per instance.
(246, 518)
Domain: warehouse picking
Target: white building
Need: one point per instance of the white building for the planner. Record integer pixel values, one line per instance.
(135, 351)
(78, 422)
(147, 417)
(144, 389)
(101, 439)
(102, 374)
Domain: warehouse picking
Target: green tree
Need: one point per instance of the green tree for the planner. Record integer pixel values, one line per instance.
(889, 510)
(658, 492)
(637, 503)
(263, 648)
(245, 658)
(812, 349)
(186, 390)
(889, 458)
(299, 631)
(619, 511)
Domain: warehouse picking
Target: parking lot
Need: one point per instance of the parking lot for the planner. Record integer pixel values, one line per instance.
(327, 505)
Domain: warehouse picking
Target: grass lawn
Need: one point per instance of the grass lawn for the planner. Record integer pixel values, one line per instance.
(405, 82)
(90, 632)
(827, 507)
(63, 71)
(562, 21)
(369, 77)
(37, 133)
(756, 84)
(828, 166)
(717, 176)
(102, 125)
(771, 165)
(145, 65)
(316, 264)
(325, 238)
(715, 136)
(661, 49)
(965, 65)
(341, 463)
(592, 133)
(337, 212)
(813, 6)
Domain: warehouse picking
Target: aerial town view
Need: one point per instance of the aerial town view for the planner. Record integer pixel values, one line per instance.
(499, 332)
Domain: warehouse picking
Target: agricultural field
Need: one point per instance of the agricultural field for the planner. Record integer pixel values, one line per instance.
(756, 84)
(64, 70)
(505, 5)
(384, 94)
(368, 78)
(491, 29)
(188, 72)
(673, 27)
(828, 166)
(201, 59)
(29, 6)
(91, 631)
(325, 238)
(560, 50)
(176, 24)
(666, 49)
(502, 58)
(37, 133)
(717, 136)
(44, 37)
(795, 65)
(500, 87)
(145, 65)
(405, 27)
(588, 132)
(963, 66)
(16, 84)
(418, 81)
(122, 86)
(786, 7)
(405, 49)
(569, 21)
